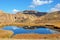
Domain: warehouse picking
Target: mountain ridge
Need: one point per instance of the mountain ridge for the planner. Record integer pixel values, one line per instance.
(30, 20)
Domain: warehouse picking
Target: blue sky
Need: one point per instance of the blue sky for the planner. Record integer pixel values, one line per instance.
(20, 5)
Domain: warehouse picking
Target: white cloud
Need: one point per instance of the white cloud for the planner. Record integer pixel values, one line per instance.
(15, 10)
(40, 2)
(56, 8)
(32, 6)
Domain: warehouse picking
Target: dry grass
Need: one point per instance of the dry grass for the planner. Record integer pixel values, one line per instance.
(36, 36)
(5, 34)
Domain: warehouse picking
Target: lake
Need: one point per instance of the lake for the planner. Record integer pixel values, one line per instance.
(19, 30)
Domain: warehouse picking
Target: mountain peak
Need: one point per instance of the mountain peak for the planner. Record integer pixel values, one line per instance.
(37, 13)
(29, 11)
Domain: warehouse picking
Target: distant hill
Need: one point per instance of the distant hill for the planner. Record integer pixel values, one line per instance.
(49, 18)
(30, 15)
(54, 16)
(34, 12)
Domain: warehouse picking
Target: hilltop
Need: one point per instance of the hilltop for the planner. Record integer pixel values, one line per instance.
(51, 17)
(33, 12)
(54, 16)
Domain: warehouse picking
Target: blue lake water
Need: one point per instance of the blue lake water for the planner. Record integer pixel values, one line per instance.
(18, 30)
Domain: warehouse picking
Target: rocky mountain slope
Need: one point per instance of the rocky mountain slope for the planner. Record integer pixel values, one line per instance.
(50, 18)
(33, 12)
(29, 17)
(54, 16)
(25, 16)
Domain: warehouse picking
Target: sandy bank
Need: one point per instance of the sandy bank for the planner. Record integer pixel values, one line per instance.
(36, 36)
(5, 33)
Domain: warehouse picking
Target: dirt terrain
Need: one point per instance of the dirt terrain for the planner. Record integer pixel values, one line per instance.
(36, 36)
(6, 34)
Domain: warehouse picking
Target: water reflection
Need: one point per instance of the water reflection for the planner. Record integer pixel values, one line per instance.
(18, 30)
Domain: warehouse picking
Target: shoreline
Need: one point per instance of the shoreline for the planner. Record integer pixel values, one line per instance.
(36, 36)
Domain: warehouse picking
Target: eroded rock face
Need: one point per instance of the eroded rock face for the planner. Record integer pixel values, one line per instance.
(19, 17)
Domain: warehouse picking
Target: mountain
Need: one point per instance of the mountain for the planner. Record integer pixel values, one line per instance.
(30, 18)
(34, 12)
(52, 18)
(21, 17)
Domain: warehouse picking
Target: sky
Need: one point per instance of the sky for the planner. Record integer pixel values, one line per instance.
(12, 6)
